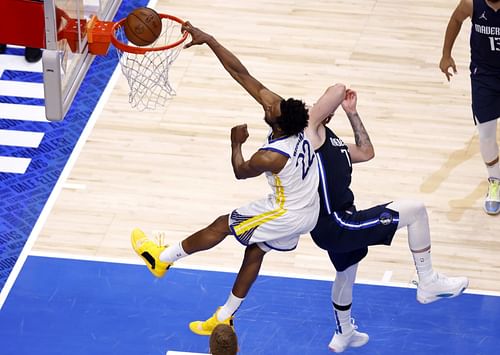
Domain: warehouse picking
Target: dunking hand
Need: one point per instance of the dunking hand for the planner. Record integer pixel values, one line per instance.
(197, 36)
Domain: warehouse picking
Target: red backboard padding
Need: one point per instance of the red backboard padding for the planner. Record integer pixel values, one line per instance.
(22, 22)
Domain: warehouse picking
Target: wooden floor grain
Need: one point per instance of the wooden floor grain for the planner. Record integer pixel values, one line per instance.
(170, 170)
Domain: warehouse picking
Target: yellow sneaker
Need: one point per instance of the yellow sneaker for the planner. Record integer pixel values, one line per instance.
(205, 328)
(150, 252)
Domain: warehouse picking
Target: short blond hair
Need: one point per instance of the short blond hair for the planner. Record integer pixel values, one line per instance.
(223, 340)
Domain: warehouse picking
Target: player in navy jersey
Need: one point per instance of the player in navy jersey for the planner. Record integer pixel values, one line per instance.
(346, 232)
(485, 81)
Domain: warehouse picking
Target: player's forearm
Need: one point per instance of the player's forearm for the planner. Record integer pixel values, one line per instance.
(452, 31)
(232, 64)
(237, 161)
(361, 137)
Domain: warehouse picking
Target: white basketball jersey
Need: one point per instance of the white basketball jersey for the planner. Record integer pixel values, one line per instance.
(296, 186)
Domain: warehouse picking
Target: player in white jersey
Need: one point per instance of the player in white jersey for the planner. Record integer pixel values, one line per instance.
(276, 222)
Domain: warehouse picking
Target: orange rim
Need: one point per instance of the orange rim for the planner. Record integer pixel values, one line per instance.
(142, 50)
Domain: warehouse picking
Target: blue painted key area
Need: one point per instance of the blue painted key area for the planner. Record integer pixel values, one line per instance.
(62, 306)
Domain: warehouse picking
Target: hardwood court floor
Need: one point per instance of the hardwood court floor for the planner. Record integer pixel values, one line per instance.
(170, 170)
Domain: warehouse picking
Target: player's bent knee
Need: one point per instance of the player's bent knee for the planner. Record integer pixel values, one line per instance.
(221, 225)
(409, 211)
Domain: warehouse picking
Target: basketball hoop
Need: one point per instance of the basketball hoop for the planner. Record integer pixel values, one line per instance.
(147, 67)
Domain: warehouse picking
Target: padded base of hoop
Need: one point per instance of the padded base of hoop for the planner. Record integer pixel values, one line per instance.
(99, 36)
(71, 33)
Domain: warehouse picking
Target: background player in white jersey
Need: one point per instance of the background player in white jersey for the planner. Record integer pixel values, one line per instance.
(485, 81)
(275, 222)
(346, 232)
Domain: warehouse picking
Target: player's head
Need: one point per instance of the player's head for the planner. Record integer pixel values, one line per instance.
(292, 117)
(223, 340)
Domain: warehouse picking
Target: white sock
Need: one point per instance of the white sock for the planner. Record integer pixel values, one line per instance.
(343, 318)
(173, 253)
(494, 171)
(423, 264)
(231, 306)
(342, 298)
(413, 214)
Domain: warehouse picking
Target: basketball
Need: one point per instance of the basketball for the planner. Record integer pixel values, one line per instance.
(142, 26)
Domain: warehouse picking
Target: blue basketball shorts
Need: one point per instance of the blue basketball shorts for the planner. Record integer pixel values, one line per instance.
(346, 235)
(485, 91)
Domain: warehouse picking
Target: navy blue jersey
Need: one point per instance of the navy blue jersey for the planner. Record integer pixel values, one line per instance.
(335, 170)
(342, 230)
(485, 37)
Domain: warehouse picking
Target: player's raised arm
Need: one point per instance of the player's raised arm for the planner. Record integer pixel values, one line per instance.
(362, 150)
(233, 66)
(462, 11)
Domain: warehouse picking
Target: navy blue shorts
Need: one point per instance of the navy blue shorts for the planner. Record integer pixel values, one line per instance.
(485, 91)
(346, 235)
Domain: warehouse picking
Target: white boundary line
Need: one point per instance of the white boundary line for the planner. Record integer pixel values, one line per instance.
(59, 185)
(73, 186)
(136, 261)
(387, 276)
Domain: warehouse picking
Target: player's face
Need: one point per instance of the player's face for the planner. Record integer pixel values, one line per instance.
(272, 113)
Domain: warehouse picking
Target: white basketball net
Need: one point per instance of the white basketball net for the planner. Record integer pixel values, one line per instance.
(148, 74)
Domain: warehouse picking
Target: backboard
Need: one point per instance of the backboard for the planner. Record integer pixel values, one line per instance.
(65, 65)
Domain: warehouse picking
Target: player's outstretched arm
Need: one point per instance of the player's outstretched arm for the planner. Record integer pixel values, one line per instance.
(462, 11)
(233, 66)
(362, 150)
(261, 161)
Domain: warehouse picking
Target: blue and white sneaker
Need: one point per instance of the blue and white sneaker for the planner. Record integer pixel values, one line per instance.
(349, 338)
(441, 287)
(492, 201)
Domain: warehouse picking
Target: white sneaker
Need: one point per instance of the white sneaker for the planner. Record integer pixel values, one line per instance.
(351, 338)
(440, 287)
